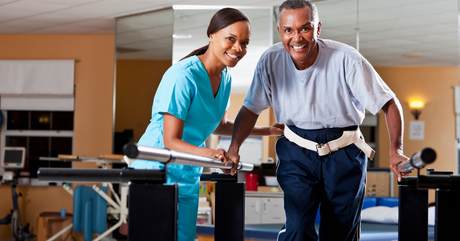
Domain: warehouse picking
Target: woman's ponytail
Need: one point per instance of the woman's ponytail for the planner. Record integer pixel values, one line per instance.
(199, 51)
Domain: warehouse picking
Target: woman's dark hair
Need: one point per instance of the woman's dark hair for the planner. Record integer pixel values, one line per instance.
(220, 20)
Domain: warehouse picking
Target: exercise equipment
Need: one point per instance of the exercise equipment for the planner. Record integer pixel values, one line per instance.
(19, 231)
(12, 161)
(413, 200)
(153, 205)
(418, 160)
(168, 156)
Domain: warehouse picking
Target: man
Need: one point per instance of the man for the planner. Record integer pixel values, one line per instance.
(319, 89)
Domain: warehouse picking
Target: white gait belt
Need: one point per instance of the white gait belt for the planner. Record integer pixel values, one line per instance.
(347, 138)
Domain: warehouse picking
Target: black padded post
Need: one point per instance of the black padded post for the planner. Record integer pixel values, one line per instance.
(447, 213)
(229, 223)
(152, 212)
(413, 211)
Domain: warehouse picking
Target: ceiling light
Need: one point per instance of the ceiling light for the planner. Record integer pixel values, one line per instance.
(182, 36)
(205, 7)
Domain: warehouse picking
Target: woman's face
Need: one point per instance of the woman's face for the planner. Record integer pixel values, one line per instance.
(230, 43)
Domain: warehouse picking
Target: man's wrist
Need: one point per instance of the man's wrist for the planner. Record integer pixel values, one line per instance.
(234, 148)
(396, 150)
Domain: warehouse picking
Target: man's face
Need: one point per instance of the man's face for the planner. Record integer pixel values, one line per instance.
(298, 34)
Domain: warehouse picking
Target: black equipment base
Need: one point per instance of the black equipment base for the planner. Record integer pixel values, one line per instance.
(229, 223)
(152, 212)
(413, 214)
(413, 206)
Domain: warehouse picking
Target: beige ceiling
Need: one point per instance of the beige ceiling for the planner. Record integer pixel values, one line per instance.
(388, 29)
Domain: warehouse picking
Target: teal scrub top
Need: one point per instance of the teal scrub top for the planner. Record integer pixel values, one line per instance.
(185, 91)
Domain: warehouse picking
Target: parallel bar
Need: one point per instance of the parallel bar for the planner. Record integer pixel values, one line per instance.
(418, 160)
(439, 181)
(215, 177)
(101, 175)
(170, 156)
(408, 181)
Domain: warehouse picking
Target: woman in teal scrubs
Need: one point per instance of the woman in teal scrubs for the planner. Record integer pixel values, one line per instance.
(191, 103)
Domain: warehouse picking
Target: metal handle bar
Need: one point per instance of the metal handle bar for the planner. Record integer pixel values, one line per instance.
(124, 175)
(418, 160)
(168, 156)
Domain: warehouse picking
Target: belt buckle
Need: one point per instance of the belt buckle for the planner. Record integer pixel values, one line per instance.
(320, 147)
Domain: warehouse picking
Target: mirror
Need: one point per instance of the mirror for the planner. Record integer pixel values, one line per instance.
(147, 45)
(389, 33)
(143, 53)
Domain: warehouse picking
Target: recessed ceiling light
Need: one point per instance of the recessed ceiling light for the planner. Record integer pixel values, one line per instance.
(182, 36)
(413, 55)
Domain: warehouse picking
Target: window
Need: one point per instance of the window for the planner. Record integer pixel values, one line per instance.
(42, 133)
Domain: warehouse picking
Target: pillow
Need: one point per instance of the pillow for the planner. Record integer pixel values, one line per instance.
(431, 215)
(380, 214)
(383, 214)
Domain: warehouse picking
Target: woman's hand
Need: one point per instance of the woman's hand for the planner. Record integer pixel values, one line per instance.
(276, 129)
(223, 156)
(219, 154)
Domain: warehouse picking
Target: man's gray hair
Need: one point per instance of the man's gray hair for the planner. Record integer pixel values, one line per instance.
(296, 4)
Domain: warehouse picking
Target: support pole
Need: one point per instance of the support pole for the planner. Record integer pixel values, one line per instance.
(229, 224)
(413, 211)
(447, 213)
(152, 212)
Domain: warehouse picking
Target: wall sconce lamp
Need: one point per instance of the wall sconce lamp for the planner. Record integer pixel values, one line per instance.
(416, 107)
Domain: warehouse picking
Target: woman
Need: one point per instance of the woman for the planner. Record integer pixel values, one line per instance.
(191, 103)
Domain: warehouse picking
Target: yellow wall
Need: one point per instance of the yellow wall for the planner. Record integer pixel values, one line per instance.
(93, 108)
(93, 81)
(434, 86)
(136, 84)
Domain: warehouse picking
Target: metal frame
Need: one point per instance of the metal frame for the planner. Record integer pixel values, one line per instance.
(413, 210)
(153, 205)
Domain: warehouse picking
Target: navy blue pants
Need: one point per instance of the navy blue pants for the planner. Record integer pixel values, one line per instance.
(336, 181)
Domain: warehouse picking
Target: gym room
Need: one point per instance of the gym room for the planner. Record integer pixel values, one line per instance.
(77, 83)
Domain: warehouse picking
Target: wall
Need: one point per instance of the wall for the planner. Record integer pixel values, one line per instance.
(93, 81)
(434, 86)
(136, 84)
(93, 126)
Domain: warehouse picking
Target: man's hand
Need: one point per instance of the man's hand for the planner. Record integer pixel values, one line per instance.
(235, 158)
(223, 156)
(395, 159)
